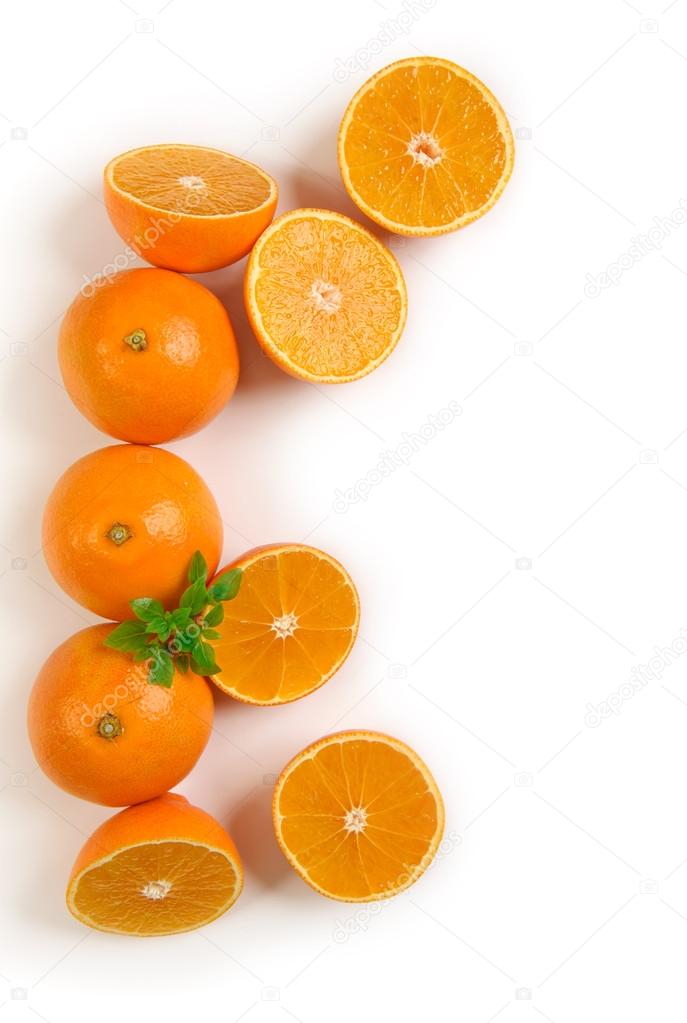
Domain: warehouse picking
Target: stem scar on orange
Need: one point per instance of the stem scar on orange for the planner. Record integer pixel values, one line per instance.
(326, 299)
(101, 731)
(424, 147)
(358, 816)
(148, 355)
(188, 208)
(289, 628)
(124, 522)
(157, 868)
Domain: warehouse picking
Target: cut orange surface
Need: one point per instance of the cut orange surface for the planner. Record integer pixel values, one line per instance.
(157, 868)
(326, 299)
(188, 208)
(291, 626)
(425, 147)
(358, 815)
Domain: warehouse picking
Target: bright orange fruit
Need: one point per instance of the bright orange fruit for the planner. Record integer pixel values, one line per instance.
(188, 208)
(158, 868)
(101, 731)
(425, 147)
(124, 522)
(326, 299)
(358, 815)
(148, 355)
(291, 626)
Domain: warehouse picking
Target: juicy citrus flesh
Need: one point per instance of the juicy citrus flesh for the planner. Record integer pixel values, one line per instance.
(358, 815)
(290, 628)
(191, 180)
(155, 888)
(326, 299)
(424, 147)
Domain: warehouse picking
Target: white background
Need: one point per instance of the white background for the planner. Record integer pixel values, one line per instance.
(563, 894)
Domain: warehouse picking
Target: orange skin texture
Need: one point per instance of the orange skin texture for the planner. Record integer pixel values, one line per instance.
(163, 731)
(185, 375)
(168, 817)
(165, 505)
(192, 244)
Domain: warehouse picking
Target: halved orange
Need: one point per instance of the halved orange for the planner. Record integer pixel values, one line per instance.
(291, 626)
(156, 868)
(425, 147)
(358, 815)
(188, 208)
(326, 299)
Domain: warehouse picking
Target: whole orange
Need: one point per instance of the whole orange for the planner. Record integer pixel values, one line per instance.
(101, 731)
(148, 355)
(124, 522)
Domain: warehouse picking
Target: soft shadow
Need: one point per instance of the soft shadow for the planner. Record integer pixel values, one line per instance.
(250, 824)
(308, 183)
(324, 189)
(50, 846)
(257, 371)
(86, 239)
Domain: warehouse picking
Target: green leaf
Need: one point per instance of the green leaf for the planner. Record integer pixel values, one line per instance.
(146, 608)
(186, 642)
(161, 671)
(145, 652)
(195, 597)
(227, 586)
(198, 568)
(127, 637)
(203, 659)
(157, 624)
(168, 640)
(215, 615)
(180, 618)
(200, 669)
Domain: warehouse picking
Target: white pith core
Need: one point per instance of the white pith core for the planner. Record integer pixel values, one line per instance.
(156, 890)
(192, 181)
(425, 149)
(325, 296)
(285, 625)
(356, 819)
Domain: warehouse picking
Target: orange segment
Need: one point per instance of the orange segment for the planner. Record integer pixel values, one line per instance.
(156, 868)
(358, 816)
(212, 183)
(326, 299)
(291, 626)
(424, 147)
(188, 208)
